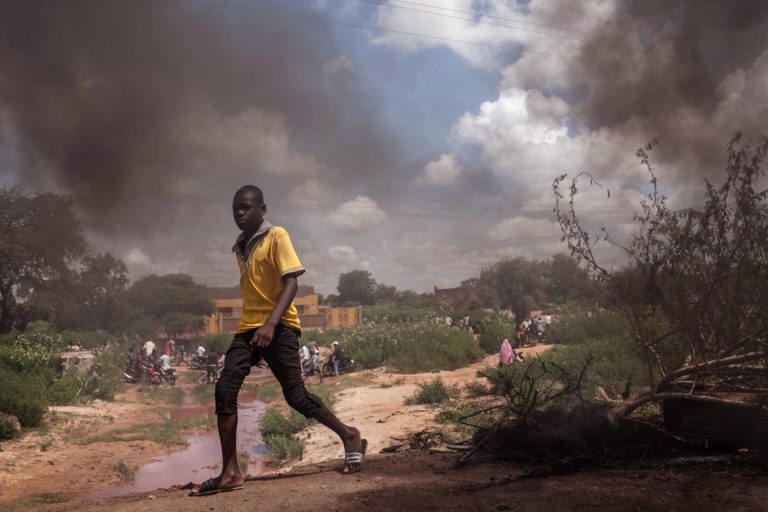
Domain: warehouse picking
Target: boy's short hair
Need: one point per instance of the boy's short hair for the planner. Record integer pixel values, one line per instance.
(251, 189)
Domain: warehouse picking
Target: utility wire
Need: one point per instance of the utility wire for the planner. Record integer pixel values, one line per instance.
(495, 24)
(315, 19)
(501, 18)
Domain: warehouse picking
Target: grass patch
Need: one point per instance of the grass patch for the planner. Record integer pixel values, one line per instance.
(125, 472)
(266, 391)
(277, 430)
(45, 445)
(570, 330)
(243, 460)
(433, 392)
(409, 348)
(476, 389)
(43, 498)
(614, 362)
(203, 394)
(167, 433)
(170, 395)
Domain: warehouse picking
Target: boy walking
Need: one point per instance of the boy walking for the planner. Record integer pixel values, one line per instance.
(268, 329)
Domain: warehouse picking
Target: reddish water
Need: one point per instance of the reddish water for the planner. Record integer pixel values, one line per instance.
(201, 459)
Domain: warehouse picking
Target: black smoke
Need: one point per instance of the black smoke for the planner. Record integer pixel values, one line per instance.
(104, 94)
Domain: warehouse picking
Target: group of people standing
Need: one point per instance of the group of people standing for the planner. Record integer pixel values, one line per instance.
(309, 355)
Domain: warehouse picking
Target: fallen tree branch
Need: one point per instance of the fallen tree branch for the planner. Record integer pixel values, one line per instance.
(655, 397)
(707, 365)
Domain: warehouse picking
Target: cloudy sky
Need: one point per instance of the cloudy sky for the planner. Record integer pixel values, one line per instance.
(415, 139)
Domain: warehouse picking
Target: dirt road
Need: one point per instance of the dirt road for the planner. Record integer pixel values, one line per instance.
(410, 480)
(419, 481)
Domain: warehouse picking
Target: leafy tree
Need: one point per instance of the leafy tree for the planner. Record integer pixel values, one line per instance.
(693, 296)
(385, 294)
(89, 297)
(357, 286)
(175, 302)
(567, 280)
(40, 237)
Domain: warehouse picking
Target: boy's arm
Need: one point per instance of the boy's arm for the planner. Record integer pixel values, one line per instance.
(264, 334)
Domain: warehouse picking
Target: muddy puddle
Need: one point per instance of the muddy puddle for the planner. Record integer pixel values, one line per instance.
(201, 459)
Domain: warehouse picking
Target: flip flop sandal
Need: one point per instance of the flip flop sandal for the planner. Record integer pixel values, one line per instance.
(355, 460)
(209, 487)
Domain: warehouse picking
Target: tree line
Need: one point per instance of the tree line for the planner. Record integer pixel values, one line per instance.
(48, 272)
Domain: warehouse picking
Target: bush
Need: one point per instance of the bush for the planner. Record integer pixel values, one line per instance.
(615, 361)
(493, 329)
(7, 430)
(23, 396)
(396, 314)
(276, 431)
(433, 392)
(580, 328)
(416, 347)
(283, 449)
(219, 342)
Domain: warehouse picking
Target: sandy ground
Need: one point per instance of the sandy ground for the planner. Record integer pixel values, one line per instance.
(51, 459)
(407, 480)
(420, 481)
(377, 409)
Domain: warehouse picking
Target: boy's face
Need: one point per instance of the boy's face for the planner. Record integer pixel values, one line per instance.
(248, 211)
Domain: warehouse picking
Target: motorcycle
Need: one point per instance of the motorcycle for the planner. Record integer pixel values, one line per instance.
(308, 368)
(345, 366)
(211, 374)
(198, 362)
(133, 375)
(168, 375)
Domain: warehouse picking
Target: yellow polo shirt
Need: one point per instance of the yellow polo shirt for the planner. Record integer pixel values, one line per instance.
(261, 279)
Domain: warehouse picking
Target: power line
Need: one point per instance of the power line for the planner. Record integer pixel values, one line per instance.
(314, 19)
(501, 18)
(495, 24)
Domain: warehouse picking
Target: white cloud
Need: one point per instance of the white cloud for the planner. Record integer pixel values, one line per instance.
(358, 215)
(343, 254)
(443, 171)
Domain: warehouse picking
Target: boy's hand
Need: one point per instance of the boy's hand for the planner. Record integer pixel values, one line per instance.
(263, 336)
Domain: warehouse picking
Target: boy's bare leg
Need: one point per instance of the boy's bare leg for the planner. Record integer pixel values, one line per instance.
(230, 471)
(350, 436)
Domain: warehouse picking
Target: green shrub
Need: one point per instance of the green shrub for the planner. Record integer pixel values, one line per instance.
(275, 423)
(23, 396)
(614, 362)
(282, 449)
(433, 392)
(277, 430)
(219, 342)
(6, 428)
(86, 339)
(569, 330)
(32, 350)
(415, 347)
(395, 314)
(493, 329)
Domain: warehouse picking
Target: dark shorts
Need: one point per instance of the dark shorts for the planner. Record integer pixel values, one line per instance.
(282, 356)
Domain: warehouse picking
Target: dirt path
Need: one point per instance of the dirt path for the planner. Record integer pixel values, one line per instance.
(377, 409)
(411, 480)
(53, 459)
(419, 481)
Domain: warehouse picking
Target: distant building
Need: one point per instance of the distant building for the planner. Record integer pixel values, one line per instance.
(229, 310)
(448, 299)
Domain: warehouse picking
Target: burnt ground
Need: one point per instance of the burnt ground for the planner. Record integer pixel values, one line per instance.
(420, 480)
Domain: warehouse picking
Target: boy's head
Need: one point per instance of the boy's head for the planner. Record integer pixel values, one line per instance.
(248, 208)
